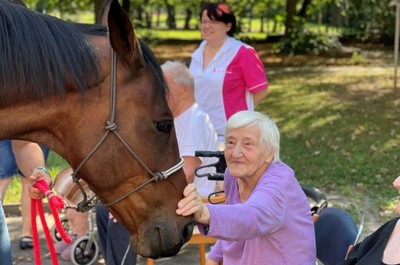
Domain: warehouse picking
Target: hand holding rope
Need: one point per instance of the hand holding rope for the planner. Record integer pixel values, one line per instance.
(56, 203)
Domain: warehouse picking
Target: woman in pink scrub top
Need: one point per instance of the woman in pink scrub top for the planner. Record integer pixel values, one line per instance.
(228, 74)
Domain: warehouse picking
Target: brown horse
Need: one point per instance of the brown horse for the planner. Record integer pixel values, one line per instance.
(55, 80)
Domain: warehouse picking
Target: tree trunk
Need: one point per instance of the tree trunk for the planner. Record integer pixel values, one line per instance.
(158, 13)
(149, 21)
(171, 23)
(262, 23)
(98, 4)
(250, 22)
(304, 7)
(290, 13)
(188, 16)
(138, 14)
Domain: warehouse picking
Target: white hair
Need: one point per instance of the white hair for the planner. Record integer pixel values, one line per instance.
(179, 72)
(269, 132)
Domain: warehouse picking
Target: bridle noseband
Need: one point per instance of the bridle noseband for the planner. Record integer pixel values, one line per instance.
(86, 204)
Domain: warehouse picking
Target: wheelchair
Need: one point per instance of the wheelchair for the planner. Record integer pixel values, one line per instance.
(85, 249)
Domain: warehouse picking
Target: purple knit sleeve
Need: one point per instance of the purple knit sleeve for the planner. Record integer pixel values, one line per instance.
(216, 252)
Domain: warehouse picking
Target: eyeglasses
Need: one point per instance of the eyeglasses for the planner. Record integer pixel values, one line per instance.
(209, 22)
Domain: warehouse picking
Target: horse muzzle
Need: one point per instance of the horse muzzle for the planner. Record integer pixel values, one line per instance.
(163, 239)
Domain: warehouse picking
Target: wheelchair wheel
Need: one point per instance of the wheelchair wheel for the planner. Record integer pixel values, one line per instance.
(78, 255)
(55, 235)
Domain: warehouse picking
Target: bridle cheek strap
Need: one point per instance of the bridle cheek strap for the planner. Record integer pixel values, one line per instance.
(158, 176)
(165, 174)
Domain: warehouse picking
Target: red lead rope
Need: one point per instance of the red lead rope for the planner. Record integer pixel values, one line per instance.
(55, 203)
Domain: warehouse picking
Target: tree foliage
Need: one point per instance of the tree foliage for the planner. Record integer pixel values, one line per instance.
(365, 20)
(61, 6)
(372, 20)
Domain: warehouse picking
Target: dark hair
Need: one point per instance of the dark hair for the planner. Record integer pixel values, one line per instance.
(220, 12)
(41, 54)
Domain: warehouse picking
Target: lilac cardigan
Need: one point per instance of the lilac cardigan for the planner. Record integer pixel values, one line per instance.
(273, 226)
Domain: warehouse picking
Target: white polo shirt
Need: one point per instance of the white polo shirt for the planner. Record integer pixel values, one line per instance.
(195, 132)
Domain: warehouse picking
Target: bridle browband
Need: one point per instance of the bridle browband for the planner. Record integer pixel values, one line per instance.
(86, 204)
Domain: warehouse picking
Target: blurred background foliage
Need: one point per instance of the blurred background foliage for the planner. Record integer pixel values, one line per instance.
(298, 26)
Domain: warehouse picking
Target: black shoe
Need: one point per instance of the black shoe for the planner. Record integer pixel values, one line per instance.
(26, 242)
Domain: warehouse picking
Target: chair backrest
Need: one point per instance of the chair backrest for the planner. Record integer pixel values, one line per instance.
(335, 232)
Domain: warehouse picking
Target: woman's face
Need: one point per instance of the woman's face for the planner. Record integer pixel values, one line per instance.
(396, 184)
(213, 29)
(245, 156)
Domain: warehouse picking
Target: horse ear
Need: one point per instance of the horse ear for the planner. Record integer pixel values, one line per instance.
(122, 36)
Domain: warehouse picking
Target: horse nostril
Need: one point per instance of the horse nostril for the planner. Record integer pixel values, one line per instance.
(187, 232)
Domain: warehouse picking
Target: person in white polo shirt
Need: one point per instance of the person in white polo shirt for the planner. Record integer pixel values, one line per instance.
(194, 130)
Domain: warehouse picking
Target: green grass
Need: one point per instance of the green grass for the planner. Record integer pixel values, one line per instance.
(340, 129)
(169, 34)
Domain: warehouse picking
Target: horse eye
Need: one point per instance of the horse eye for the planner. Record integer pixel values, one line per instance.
(164, 126)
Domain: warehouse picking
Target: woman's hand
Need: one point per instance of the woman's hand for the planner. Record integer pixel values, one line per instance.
(192, 204)
(39, 173)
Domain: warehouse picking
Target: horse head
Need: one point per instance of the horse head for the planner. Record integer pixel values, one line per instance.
(120, 141)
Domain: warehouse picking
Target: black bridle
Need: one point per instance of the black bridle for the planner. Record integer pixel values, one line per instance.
(87, 203)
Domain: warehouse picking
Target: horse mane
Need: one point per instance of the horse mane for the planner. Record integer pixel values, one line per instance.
(40, 54)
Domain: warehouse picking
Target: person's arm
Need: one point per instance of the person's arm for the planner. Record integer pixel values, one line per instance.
(259, 96)
(28, 156)
(261, 213)
(31, 162)
(189, 167)
(254, 75)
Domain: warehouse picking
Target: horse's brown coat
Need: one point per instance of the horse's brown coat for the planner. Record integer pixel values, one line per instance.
(73, 123)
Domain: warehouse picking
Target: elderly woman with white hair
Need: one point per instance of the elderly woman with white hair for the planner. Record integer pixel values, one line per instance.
(267, 217)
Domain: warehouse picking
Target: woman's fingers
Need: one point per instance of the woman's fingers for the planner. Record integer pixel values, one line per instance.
(35, 193)
(191, 207)
(190, 188)
(191, 203)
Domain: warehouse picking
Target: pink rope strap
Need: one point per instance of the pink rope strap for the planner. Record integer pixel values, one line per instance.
(55, 203)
